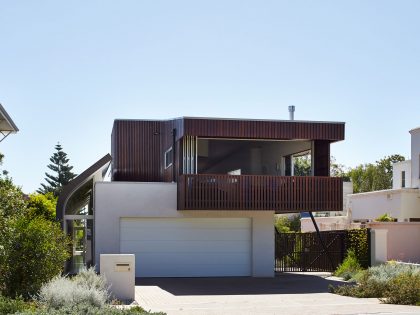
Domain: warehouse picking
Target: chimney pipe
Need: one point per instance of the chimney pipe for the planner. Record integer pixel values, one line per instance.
(292, 112)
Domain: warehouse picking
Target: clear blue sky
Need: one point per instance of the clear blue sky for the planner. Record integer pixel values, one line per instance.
(69, 68)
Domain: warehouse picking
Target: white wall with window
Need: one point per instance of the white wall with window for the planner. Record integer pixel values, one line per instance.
(401, 174)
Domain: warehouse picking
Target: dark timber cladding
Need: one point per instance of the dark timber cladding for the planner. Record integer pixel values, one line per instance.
(138, 146)
(263, 129)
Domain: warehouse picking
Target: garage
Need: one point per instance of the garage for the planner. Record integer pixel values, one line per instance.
(188, 247)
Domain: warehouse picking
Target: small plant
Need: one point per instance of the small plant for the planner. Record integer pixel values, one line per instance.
(86, 288)
(385, 218)
(350, 266)
(12, 306)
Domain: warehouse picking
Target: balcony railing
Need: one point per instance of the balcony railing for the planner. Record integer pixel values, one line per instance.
(259, 192)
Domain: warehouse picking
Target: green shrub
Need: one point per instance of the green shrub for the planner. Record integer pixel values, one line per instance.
(286, 224)
(11, 306)
(394, 283)
(34, 252)
(349, 267)
(357, 240)
(89, 310)
(40, 205)
(87, 288)
(403, 289)
(385, 218)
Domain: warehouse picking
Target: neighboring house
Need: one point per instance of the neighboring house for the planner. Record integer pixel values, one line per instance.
(197, 196)
(402, 201)
(7, 126)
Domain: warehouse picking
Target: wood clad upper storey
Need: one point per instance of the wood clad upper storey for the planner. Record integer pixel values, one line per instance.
(138, 146)
(263, 129)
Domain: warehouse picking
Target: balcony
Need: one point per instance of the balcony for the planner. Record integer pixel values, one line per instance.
(259, 192)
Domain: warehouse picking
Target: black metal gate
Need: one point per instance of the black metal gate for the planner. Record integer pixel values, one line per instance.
(304, 251)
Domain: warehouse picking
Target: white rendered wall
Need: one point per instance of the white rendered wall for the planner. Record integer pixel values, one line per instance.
(397, 169)
(402, 204)
(371, 205)
(115, 200)
(415, 158)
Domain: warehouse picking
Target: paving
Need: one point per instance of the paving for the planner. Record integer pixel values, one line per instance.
(287, 293)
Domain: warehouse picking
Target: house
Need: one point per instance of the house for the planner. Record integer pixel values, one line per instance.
(7, 126)
(197, 196)
(402, 201)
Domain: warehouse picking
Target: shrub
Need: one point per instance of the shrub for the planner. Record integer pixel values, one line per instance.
(403, 289)
(11, 306)
(286, 224)
(394, 283)
(87, 288)
(386, 272)
(34, 253)
(90, 310)
(42, 205)
(385, 218)
(349, 267)
(357, 239)
(90, 279)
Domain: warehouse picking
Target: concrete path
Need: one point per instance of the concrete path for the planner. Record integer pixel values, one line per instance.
(289, 293)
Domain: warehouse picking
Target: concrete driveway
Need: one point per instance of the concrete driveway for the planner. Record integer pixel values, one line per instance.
(288, 293)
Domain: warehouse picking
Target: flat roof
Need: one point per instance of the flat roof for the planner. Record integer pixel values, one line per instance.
(237, 119)
(236, 128)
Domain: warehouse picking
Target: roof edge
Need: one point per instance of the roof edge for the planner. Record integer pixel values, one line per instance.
(74, 184)
(8, 119)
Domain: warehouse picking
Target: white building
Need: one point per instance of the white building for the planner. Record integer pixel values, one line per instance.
(402, 201)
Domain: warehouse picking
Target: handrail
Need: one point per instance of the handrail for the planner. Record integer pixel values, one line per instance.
(259, 192)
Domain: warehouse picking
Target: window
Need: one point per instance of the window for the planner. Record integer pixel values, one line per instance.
(403, 179)
(168, 157)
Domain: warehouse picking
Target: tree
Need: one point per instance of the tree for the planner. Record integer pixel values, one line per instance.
(286, 224)
(33, 248)
(39, 205)
(302, 165)
(63, 174)
(33, 254)
(338, 170)
(378, 176)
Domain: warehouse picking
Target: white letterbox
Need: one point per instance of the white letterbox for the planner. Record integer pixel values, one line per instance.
(119, 271)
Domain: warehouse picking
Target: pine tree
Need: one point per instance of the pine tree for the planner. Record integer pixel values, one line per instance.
(63, 174)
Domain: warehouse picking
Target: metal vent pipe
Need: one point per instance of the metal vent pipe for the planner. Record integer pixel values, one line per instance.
(292, 112)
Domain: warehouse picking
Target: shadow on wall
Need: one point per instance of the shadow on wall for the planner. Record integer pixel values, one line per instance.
(284, 283)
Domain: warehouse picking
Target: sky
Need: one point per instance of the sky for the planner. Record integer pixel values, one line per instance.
(69, 68)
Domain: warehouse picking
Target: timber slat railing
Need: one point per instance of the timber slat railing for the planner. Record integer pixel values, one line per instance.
(259, 192)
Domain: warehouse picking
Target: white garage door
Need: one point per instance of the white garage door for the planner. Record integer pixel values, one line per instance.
(188, 247)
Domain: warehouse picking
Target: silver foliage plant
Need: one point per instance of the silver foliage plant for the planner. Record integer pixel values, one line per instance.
(86, 288)
(385, 272)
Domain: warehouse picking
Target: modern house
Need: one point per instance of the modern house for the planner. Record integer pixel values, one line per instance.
(7, 126)
(197, 196)
(402, 201)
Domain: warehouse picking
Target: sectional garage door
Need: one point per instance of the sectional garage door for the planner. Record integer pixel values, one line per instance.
(188, 247)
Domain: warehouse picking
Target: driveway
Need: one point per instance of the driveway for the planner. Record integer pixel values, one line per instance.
(287, 293)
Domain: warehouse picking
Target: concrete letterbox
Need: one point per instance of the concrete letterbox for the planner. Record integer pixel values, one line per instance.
(119, 271)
